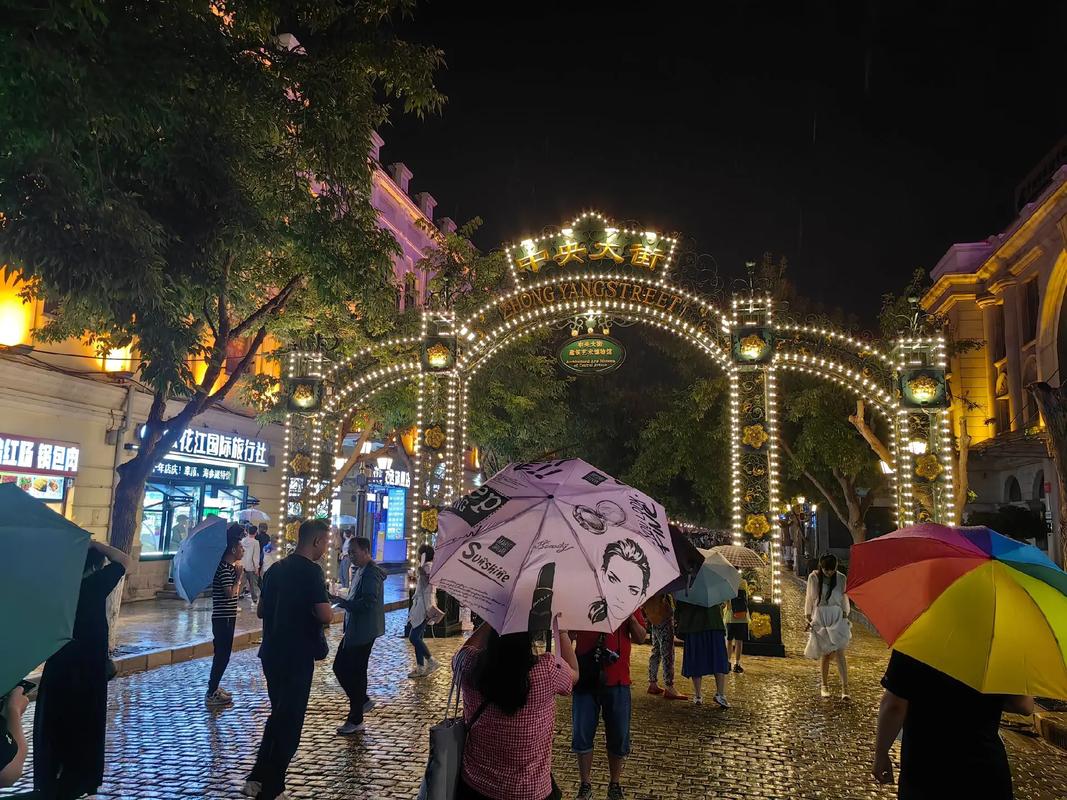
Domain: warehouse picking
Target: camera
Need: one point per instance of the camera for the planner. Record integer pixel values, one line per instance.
(606, 656)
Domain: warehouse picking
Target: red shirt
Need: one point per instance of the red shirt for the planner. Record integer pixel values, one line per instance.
(510, 758)
(617, 674)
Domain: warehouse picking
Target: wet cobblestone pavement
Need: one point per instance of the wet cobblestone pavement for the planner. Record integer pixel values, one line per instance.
(779, 740)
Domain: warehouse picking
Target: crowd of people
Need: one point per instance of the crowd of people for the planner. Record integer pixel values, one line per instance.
(508, 684)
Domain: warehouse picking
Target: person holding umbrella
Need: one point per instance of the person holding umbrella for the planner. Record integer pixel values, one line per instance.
(12, 740)
(224, 590)
(70, 719)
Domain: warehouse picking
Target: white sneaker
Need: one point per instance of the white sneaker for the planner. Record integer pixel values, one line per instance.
(721, 700)
(216, 700)
(350, 728)
(824, 691)
(224, 694)
(431, 667)
(418, 672)
(252, 788)
(698, 700)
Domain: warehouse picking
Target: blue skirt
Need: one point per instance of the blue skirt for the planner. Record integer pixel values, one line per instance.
(704, 653)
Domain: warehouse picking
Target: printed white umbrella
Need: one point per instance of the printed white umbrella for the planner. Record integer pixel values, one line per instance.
(552, 537)
(253, 515)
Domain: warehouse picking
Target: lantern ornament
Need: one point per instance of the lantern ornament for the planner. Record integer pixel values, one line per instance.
(752, 347)
(755, 436)
(924, 388)
(438, 356)
(757, 525)
(304, 395)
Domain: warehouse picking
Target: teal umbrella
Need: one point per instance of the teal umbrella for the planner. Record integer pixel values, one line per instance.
(715, 583)
(198, 557)
(40, 578)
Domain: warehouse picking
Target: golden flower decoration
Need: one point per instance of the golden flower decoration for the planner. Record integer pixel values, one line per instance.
(292, 531)
(923, 388)
(428, 520)
(760, 625)
(752, 346)
(434, 437)
(754, 436)
(300, 463)
(928, 466)
(756, 525)
(303, 395)
(438, 356)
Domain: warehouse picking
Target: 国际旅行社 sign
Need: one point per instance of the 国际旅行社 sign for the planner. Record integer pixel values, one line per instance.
(38, 455)
(592, 355)
(223, 446)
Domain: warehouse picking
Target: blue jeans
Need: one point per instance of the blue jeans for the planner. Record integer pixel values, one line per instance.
(422, 652)
(611, 702)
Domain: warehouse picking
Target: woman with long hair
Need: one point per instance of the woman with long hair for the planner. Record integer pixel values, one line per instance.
(418, 615)
(509, 706)
(826, 608)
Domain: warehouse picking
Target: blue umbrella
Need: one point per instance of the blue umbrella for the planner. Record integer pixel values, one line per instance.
(716, 582)
(40, 579)
(198, 557)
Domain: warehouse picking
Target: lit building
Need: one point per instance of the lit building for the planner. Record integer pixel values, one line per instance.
(1007, 294)
(70, 417)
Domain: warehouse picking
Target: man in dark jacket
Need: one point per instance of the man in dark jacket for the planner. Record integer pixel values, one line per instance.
(364, 622)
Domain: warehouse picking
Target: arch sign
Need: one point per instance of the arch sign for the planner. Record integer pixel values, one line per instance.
(592, 271)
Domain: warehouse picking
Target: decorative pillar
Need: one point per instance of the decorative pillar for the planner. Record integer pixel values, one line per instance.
(988, 304)
(923, 439)
(302, 447)
(1013, 367)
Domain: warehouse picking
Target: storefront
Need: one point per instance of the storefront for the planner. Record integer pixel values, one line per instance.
(202, 476)
(43, 468)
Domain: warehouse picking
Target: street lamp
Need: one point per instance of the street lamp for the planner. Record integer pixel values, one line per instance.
(918, 446)
(384, 462)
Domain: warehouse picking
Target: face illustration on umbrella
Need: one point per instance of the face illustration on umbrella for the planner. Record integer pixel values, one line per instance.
(596, 520)
(624, 577)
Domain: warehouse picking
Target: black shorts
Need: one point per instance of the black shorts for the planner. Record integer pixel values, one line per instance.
(737, 631)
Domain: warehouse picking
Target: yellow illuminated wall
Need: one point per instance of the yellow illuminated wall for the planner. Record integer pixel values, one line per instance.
(16, 317)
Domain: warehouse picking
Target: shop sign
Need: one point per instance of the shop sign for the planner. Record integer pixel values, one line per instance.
(592, 355)
(43, 487)
(223, 446)
(38, 455)
(192, 471)
(396, 515)
(391, 477)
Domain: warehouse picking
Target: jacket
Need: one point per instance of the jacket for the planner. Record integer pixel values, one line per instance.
(365, 607)
(253, 555)
(422, 599)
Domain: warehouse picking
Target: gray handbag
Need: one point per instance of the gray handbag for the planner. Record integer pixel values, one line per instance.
(447, 739)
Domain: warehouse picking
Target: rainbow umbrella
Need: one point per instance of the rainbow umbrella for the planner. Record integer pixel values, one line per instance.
(983, 608)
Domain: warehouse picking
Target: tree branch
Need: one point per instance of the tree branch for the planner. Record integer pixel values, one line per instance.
(271, 307)
(859, 422)
(240, 370)
(815, 481)
(224, 292)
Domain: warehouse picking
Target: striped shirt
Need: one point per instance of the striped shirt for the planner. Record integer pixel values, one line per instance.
(223, 602)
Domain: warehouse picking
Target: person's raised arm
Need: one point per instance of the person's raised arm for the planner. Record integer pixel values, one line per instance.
(112, 553)
(1019, 704)
(565, 648)
(637, 632)
(891, 713)
(14, 708)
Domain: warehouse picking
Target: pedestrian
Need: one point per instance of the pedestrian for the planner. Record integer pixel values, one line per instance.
(971, 762)
(294, 606)
(703, 635)
(659, 612)
(12, 740)
(224, 590)
(364, 623)
(509, 706)
(826, 608)
(603, 690)
(737, 627)
(251, 565)
(799, 548)
(422, 607)
(263, 537)
(344, 566)
(70, 718)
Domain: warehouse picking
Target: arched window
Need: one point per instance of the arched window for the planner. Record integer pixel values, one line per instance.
(1013, 493)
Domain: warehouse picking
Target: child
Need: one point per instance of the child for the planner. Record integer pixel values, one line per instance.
(737, 626)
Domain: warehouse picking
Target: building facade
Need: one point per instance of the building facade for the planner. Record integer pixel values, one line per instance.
(70, 417)
(1003, 299)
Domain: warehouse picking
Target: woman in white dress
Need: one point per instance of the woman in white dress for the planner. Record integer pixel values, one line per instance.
(826, 609)
(422, 612)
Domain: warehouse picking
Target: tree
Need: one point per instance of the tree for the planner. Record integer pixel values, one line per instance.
(823, 448)
(189, 178)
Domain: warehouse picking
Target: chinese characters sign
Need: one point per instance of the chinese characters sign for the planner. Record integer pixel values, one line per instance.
(192, 471)
(225, 446)
(37, 455)
(590, 355)
(591, 242)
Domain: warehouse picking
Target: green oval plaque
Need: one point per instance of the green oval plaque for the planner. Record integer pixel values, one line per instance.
(590, 355)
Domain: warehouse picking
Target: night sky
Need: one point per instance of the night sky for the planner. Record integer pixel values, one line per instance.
(857, 139)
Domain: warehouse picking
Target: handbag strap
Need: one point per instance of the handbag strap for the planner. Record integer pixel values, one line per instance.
(477, 714)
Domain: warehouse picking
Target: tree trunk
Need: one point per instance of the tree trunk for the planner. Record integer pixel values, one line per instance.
(859, 422)
(1053, 406)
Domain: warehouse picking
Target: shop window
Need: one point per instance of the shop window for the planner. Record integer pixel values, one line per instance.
(1013, 493)
(999, 348)
(1031, 306)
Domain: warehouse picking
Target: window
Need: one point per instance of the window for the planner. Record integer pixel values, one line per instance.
(1030, 416)
(1031, 302)
(999, 348)
(1013, 493)
(411, 290)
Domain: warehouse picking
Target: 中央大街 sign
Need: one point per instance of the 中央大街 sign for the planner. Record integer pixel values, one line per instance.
(592, 355)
